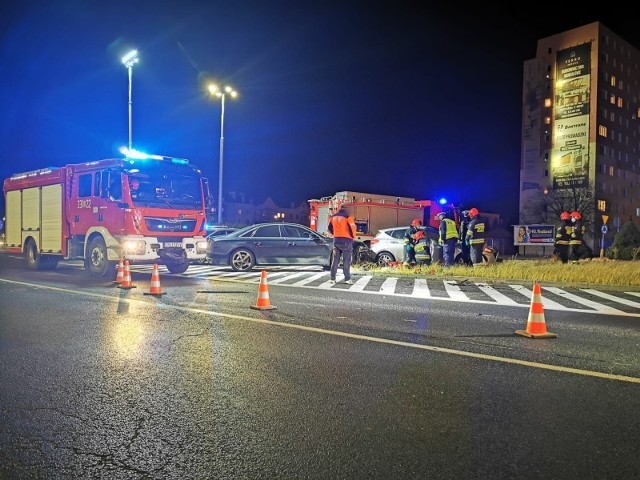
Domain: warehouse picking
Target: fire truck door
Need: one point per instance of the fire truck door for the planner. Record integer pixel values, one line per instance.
(89, 208)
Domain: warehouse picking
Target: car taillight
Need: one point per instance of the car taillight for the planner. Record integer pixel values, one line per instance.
(374, 241)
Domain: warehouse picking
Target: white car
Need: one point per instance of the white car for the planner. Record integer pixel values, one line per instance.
(388, 245)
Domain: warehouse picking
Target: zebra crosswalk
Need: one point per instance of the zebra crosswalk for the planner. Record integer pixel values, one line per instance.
(588, 300)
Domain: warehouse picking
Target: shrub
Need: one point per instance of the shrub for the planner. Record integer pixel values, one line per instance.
(626, 243)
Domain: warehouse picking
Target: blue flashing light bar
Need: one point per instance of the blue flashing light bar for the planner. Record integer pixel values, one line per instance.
(136, 155)
(442, 201)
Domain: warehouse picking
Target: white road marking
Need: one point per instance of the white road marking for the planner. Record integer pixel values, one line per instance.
(389, 285)
(420, 288)
(583, 301)
(496, 295)
(546, 303)
(454, 291)
(613, 298)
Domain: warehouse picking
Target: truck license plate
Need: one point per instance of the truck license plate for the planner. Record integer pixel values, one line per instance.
(173, 244)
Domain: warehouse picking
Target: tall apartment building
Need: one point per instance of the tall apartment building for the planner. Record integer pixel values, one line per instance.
(581, 127)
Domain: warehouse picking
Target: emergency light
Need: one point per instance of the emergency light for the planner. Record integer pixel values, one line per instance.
(135, 154)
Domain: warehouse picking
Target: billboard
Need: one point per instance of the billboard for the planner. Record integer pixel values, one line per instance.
(571, 107)
(541, 235)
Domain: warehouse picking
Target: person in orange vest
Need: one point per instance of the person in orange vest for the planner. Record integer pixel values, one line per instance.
(343, 229)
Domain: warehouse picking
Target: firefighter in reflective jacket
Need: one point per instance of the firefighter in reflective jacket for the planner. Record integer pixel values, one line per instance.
(448, 238)
(563, 236)
(465, 250)
(577, 234)
(475, 236)
(423, 248)
(410, 242)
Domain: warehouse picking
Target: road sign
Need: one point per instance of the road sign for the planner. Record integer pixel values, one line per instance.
(604, 229)
(605, 218)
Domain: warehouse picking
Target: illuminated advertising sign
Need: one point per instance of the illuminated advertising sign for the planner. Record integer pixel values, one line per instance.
(534, 235)
(571, 107)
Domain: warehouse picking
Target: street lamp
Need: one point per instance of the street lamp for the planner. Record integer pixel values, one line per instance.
(221, 92)
(129, 60)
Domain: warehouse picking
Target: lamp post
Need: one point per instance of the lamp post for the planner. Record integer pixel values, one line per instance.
(129, 60)
(221, 92)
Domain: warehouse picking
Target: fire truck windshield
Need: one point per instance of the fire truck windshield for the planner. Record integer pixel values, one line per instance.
(166, 187)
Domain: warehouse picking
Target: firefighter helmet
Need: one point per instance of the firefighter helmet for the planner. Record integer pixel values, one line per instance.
(576, 215)
(416, 222)
(473, 212)
(441, 215)
(465, 213)
(565, 216)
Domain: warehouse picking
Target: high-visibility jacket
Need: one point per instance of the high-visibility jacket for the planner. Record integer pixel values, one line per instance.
(577, 234)
(475, 232)
(447, 229)
(563, 235)
(341, 225)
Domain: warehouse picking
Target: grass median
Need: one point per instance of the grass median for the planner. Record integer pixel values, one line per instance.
(595, 271)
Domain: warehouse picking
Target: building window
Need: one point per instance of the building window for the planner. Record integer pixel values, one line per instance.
(602, 131)
(612, 98)
(611, 170)
(620, 102)
(602, 205)
(613, 80)
(547, 102)
(547, 120)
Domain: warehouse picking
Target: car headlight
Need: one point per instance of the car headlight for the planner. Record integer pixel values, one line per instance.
(201, 246)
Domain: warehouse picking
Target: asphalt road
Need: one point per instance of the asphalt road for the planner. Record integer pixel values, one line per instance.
(102, 382)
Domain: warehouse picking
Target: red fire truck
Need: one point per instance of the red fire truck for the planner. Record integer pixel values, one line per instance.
(141, 208)
(371, 212)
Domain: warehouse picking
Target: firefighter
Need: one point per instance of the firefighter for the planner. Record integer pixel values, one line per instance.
(465, 250)
(410, 242)
(577, 235)
(475, 236)
(423, 248)
(563, 236)
(448, 238)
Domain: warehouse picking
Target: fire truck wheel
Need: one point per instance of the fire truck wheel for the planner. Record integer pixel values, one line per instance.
(177, 267)
(96, 262)
(32, 256)
(242, 260)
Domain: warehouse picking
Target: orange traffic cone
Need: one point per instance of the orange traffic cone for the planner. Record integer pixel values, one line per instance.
(126, 280)
(155, 289)
(120, 275)
(263, 302)
(536, 326)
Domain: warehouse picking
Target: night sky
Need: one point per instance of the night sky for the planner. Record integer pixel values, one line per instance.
(381, 97)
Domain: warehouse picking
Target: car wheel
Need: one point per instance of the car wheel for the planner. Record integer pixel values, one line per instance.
(242, 260)
(383, 258)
